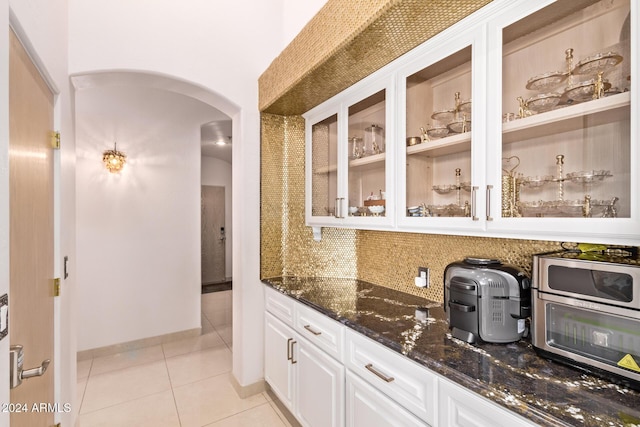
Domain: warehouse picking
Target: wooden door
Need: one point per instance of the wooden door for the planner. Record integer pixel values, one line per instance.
(214, 238)
(31, 234)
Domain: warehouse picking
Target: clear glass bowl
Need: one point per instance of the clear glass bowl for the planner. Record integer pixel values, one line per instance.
(444, 189)
(444, 116)
(465, 107)
(586, 177)
(598, 62)
(543, 102)
(546, 81)
(536, 181)
(438, 132)
(583, 91)
(459, 126)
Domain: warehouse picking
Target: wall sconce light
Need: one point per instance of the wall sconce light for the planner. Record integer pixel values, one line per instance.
(114, 160)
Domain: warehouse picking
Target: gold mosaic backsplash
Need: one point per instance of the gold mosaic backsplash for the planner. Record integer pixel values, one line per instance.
(389, 259)
(392, 259)
(348, 40)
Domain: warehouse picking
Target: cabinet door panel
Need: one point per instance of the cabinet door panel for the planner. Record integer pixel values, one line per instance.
(461, 408)
(565, 163)
(319, 387)
(367, 407)
(278, 370)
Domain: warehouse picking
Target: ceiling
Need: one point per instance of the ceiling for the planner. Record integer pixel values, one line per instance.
(212, 134)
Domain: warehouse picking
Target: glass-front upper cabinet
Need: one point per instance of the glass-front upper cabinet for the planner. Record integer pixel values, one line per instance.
(367, 157)
(324, 167)
(567, 138)
(439, 185)
(348, 158)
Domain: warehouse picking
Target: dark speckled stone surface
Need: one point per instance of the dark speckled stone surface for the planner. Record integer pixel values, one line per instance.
(512, 375)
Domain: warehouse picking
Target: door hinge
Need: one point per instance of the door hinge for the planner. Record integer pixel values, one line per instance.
(55, 140)
(56, 287)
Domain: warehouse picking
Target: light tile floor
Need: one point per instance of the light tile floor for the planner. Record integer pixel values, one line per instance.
(178, 384)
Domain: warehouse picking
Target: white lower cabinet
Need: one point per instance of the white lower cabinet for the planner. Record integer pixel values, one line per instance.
(459, 407)
(331, 376)
(303, 352)
(278, 369)
(319, 386)
(404, 381)
(368, 407)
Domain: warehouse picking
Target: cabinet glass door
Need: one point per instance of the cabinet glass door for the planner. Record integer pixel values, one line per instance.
(566, 102)
(438, 138)
(324, 167)
(367, 157)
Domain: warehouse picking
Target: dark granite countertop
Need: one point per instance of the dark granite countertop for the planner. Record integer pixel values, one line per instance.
(511, 375)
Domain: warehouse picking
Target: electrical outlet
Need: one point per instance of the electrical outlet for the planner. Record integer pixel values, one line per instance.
(423, 273)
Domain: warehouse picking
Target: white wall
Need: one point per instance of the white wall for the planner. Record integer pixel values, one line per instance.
(221, 47)
(138, 235)
(296, 14)
(218, 172)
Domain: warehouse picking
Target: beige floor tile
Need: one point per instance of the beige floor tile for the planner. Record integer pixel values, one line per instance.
(216, 301)
(219, 317)
(261, 416)
(126, 359)
(83, 368)
(156, 410)
(211, 400)
(226, 333)
(282, 416)
(125, 384)
(80, 389)
(191, 367)
(189, 345)
(207, 327)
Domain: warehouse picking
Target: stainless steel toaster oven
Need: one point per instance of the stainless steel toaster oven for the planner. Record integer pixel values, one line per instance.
(586, 312)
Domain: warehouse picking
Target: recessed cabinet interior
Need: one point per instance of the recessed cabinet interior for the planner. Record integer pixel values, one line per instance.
(438, 129)
(566, 82)
(518, 121)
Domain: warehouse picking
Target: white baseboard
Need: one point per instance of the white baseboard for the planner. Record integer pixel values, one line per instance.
(136, 344)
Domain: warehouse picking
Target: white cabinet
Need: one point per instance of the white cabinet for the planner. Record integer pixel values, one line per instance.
(368, 407)
(458, 407)
(278, 366)
(319, 385)
(307, 380)
(350, 158)
(529, 121)
(563, 161)
(409, 384)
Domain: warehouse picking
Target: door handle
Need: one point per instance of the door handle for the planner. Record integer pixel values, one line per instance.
(17, 373)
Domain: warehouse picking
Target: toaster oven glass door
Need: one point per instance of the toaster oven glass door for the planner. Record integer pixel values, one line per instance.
(609, 285)
(609, 339)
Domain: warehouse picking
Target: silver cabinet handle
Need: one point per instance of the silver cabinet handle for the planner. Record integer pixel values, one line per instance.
(380, 375)
(289, 348)
(489, 187)
(310, 329)
(339, 213)
(473, 203)
(293, 361)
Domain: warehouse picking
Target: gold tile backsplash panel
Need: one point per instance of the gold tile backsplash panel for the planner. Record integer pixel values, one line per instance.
(287, 245)
(392, 259)
(389, 259)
